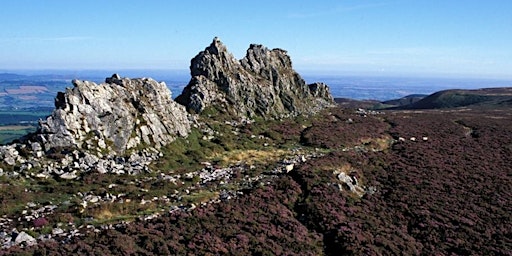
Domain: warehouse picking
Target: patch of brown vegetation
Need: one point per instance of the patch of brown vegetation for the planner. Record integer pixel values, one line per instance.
(249, 156)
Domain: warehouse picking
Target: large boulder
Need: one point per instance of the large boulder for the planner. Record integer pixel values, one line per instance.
(117, 115)
(263, 83)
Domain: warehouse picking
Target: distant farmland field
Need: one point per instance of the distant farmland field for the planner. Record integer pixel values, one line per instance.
(12, 132)
(15, 124)
(21, 117)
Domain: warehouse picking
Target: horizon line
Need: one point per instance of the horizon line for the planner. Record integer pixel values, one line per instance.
(300, 71)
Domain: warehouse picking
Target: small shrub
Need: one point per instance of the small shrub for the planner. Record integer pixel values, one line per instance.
(40, 222)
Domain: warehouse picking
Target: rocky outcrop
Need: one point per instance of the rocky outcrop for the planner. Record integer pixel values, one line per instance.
(114, 116)
(263, 84)
(95, 124)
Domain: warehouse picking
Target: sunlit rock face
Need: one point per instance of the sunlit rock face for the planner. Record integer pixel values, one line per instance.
(263, 83)
(117, 115)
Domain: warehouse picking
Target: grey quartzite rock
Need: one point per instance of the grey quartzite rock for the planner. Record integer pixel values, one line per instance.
(9, 154)
(25, 238)
(119, 126)
(116, 115)
(263, 84)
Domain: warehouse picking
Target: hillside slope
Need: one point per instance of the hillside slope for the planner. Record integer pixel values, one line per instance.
(398, 182)
(488, 97)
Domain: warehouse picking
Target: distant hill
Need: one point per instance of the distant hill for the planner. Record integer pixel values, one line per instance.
(506, 103)
(10, 76)
(483, 98)
(14, 77)
(374, 104)
(404, 101)
(351, 103)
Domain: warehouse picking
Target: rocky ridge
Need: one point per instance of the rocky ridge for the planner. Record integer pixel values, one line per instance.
(117, 115)
(116, 127)
(121, 126)
(263, 83)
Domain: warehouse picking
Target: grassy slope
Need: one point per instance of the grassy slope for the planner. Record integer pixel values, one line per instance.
(447, 194)
(490, 98)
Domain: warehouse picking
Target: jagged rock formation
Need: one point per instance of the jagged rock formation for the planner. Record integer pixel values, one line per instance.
(117, 115)
(109, 119)
(263, 83)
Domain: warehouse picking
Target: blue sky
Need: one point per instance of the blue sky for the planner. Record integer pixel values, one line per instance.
(352, 37)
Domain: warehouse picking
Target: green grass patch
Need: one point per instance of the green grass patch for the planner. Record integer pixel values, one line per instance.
(200, 197)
